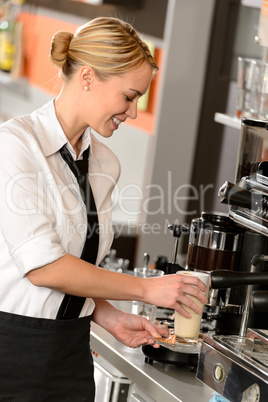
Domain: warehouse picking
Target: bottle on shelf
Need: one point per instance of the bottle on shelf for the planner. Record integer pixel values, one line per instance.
(10, 34)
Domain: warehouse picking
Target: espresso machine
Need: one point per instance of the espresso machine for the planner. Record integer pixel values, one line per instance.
(234, 360)
(222, 247)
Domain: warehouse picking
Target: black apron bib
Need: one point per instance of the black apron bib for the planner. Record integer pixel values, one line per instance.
(43, 360)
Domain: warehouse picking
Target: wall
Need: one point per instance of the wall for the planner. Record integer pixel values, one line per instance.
(186, 47)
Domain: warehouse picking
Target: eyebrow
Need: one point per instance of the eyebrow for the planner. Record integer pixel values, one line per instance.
(137, 92)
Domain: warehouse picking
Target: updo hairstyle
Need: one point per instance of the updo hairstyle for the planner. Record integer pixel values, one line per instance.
(109, 45)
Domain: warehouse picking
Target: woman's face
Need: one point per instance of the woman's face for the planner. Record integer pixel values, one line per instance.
(113, 101)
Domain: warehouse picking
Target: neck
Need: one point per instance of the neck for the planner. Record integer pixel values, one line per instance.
(67, 117)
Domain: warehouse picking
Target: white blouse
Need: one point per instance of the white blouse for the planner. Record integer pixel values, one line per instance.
(42, 215)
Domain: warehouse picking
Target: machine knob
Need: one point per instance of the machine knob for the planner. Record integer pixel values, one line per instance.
(219, 372)
(259, 300)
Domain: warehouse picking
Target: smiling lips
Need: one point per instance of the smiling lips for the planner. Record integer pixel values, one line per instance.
(116, 121)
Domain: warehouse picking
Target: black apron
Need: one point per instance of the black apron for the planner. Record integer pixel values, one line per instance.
(43, 360)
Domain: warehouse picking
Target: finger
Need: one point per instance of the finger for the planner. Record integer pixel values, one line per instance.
(182, 311)
(143, 340)
(188, 306)
(194, 281)
(193, 291)
(163, 332)
(155, 331)
(152, 343)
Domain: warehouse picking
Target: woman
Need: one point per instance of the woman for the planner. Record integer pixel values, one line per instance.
(45, 353)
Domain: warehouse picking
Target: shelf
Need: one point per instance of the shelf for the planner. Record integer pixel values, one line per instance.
(9, 79)
(252, 3)
(230, 121)
(5, 78)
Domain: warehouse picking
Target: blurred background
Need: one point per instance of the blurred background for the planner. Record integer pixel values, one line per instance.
(185, 141)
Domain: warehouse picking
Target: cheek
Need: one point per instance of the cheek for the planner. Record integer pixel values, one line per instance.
(108, 103)
(103, 103)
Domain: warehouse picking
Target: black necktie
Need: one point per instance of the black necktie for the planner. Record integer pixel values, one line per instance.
(71, 306)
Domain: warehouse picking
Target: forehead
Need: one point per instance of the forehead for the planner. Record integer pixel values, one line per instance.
(137, 78)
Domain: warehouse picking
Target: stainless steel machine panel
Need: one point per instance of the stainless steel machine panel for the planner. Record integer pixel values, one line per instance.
(111, 384)
(236, 367)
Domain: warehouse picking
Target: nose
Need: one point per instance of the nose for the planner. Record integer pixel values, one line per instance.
(132, 110)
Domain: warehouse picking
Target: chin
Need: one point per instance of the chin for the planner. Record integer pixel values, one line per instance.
(105, 134)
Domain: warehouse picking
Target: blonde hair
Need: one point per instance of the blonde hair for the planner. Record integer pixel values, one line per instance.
(109, 45)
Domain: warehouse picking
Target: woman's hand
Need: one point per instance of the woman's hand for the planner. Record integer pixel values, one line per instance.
(134, 330)
(173, 291)
(130, 329)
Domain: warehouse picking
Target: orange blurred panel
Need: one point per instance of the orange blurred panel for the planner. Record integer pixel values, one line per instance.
(38, 32)
(146, 120)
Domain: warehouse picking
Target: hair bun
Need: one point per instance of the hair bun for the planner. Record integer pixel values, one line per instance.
(59, 47)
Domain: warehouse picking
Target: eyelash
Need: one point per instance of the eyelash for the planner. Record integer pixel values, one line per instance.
(128, 99)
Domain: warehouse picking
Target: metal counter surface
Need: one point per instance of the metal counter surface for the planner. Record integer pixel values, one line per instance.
(162, 382)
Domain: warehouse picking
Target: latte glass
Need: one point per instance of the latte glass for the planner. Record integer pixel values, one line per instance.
(188, 328)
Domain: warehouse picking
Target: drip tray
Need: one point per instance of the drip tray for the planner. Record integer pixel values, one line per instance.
(253, 349)
(236, 367)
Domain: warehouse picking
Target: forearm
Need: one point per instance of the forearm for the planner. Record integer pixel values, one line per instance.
(74, 276)
(105, 314)
(130, 329)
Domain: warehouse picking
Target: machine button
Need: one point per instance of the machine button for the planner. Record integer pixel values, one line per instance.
(219, 373)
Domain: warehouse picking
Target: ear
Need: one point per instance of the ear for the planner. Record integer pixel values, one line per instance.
(87, 75)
